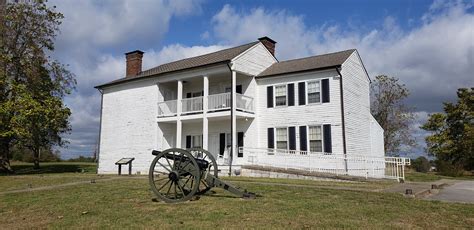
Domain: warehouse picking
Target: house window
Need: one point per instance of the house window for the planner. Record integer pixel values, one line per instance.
(197, 141)
(281, 138)
(315, 139)
(280, 95)
(314, 92)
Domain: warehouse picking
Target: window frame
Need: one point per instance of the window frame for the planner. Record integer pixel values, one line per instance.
(193, 138)
(276, 140)
(308, 140)
(286, 95)
(307, 92)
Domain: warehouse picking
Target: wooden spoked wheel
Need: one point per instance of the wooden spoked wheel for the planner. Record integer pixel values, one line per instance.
(174, 175)
(202, 154)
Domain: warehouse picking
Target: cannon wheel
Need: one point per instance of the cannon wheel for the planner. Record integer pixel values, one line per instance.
(203, 154)
(173, 179)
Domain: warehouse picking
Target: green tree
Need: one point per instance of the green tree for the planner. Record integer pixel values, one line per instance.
(32, 85)
(452, 133)
(421, 164)
(394, 116)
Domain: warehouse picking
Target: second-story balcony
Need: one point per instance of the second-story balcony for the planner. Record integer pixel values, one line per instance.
(216, 102)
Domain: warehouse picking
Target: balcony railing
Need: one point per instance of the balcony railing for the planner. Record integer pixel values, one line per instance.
(167, 108)
(192, 105)
(216, 102)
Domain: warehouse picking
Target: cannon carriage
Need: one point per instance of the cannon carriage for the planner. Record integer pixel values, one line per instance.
(177, 175)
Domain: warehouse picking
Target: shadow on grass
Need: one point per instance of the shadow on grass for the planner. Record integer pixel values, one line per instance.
(57, 167)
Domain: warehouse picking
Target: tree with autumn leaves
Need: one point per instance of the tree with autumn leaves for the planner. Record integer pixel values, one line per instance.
(32, 85)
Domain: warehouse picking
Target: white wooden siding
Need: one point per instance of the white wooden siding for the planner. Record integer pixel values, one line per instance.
(253, 61)
(357, 116)
(300, 115)
(128, 125)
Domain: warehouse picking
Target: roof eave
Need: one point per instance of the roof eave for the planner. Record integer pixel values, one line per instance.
(155, 75)
(300, 71)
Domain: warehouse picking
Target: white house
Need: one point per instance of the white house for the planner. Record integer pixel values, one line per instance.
(314, 106)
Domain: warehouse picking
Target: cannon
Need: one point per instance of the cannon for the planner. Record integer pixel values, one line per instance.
(177, 175)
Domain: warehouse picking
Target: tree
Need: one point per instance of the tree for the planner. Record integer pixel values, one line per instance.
(390, 111)
(421, 164)
(32, 85)
(452, 134)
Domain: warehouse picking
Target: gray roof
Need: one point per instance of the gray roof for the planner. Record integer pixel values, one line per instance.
(324, 61)
(188, 63)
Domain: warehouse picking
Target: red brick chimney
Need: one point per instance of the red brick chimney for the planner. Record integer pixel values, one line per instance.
(269, 43)
(134, 63)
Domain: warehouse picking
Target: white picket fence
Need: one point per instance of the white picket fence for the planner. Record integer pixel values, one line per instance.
(337, 164)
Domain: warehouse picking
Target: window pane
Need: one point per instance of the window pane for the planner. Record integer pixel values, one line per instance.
(315, 146)
(282, 145)
(315, 133)
(197, 141)
(280, 90)
(281, 100)
(314, 97)
(313, 87)
(281, 134)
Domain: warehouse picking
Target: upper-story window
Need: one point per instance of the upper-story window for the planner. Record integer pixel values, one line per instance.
(315, 139)
(314, 92)
(281, 138)
(280, 95)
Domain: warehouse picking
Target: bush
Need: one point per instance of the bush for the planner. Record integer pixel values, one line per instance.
(449, 169)
(82, 159)
(421, 164)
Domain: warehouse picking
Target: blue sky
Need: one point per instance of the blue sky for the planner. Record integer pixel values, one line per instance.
(428, 45)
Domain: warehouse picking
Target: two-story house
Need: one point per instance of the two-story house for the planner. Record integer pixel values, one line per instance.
(241, 98)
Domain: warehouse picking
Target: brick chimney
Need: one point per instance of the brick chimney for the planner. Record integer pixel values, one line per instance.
(269, 43)
(134, 63)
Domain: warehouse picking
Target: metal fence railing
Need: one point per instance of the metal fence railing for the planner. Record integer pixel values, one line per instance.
(337, 164)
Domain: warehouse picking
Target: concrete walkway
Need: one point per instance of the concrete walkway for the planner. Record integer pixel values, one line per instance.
(459, 191)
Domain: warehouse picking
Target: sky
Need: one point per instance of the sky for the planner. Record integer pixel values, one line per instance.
(428, 45)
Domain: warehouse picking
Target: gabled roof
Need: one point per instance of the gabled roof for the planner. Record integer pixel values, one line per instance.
(325, 61)
(220, 56)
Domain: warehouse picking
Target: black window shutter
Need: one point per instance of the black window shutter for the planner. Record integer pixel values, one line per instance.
(325, 89)
(303, 137)
(240, 143)
(189, 95)
(238, 89)
(221, 143)
(291, 94)
(292, 131)
(270, 138)
(270, 97)
(301, 93)
(327, 138)
(188, 142)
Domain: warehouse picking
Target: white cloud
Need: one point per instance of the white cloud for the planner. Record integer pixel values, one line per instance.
(433, 59)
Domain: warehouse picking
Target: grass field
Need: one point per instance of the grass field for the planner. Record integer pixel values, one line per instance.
(126, 203)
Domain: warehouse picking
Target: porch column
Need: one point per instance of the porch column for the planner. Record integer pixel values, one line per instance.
(178, 113)
(234, 116)
(205, 123)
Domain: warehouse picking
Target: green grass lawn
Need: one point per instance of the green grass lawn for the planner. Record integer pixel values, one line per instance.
(282, 204)
(414, 176)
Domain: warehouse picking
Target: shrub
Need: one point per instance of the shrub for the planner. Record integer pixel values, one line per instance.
(449, 169)
(421, 164)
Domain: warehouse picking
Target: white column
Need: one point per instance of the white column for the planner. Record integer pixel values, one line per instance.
(234, 115)
(205, 123)
(178, 115)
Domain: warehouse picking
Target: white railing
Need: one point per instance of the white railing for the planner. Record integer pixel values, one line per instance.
(245, 103)
(192, 105)
(337, 164)
(216, 102)
(219, 101)
(167, 108)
